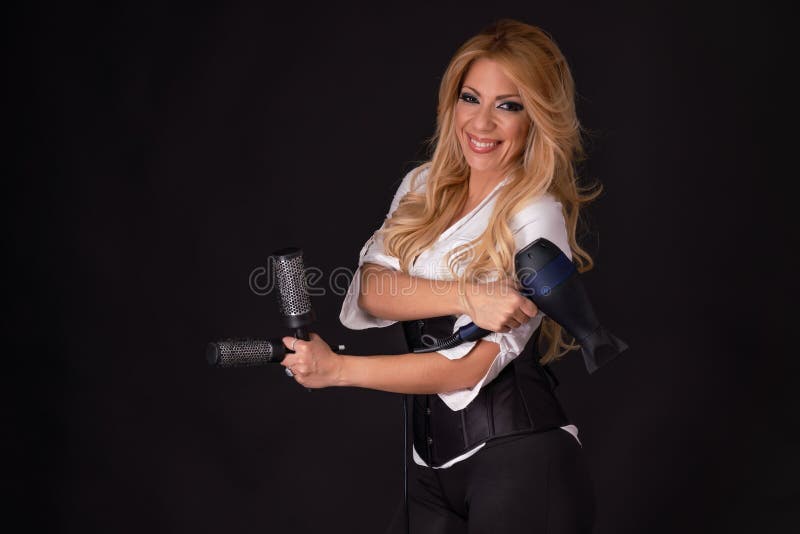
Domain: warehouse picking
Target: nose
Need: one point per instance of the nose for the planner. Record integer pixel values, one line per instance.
(483, 121)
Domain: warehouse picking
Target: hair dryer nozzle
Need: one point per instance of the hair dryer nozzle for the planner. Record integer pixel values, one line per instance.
(600, 347)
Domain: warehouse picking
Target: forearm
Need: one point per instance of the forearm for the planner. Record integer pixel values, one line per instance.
(419, 374)
(394, 295)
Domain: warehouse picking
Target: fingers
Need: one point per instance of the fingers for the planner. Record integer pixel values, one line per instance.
(301, 359)
(291, 360)
(529, 308)
(293, 343)
(506, 329)
(509, 310)
(300, 369)
(521, 315)
(297, 366)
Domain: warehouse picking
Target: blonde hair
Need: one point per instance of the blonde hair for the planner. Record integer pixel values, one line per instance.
(531, 59)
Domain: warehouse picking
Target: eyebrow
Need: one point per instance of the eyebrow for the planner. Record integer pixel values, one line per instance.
(500, 97)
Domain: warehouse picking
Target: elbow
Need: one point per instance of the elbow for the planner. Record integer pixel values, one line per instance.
(367, 300)
(472, 368)
(471, 380)
(365, 303)
(455, 376)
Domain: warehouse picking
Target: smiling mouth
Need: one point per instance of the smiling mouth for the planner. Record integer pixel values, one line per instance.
(482, 146)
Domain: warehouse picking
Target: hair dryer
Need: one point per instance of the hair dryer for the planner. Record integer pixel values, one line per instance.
(552, 282)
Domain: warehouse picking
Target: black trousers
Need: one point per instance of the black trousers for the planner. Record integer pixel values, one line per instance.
(535, 483)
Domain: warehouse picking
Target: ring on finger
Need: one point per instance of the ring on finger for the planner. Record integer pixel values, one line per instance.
(294, 343)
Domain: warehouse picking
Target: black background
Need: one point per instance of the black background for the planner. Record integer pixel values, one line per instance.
(162, 152)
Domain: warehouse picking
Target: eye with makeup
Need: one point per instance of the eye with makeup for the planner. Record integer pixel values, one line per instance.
(512, 106)
(469, 98)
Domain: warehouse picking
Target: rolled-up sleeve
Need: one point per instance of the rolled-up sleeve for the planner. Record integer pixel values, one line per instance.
(542, 218)
(352, 315)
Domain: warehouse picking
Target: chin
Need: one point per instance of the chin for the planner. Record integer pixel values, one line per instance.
(482, 164)
(482, 167)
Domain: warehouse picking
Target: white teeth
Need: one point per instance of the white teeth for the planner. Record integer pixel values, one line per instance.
(481, 145)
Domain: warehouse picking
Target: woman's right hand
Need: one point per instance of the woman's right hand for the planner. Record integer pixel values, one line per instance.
(497, 306)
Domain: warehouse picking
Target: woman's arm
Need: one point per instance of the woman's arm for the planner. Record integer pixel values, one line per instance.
(316, 366)
(394, 295)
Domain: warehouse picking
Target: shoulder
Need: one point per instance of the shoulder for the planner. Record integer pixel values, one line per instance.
(541, 217)
(416, 178)
(543, 207)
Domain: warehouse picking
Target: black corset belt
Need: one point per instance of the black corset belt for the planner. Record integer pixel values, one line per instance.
(519, 400)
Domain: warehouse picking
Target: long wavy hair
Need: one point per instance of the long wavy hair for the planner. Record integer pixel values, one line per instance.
(531, 59)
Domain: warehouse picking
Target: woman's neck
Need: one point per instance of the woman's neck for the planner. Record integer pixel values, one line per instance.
(480, 183)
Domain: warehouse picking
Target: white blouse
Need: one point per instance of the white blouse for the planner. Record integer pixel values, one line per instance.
(540, 218)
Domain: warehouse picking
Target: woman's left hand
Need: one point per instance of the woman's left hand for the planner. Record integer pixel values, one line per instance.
(313, 363)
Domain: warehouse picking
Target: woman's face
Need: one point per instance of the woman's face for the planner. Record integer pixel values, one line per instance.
(491, 123)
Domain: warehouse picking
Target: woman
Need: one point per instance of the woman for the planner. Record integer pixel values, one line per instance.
(493, 451)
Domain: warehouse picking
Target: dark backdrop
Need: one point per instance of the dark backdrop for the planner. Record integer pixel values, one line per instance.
(162, 152)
